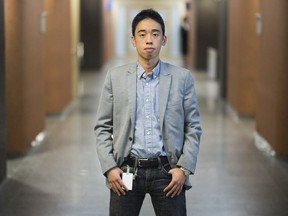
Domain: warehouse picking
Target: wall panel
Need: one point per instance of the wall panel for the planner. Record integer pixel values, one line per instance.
(243, 55)
(2, 96)
(58, 58)
(272, 88)
(25, 101)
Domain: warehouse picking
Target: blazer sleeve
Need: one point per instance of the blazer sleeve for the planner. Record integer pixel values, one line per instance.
(192, 128)
(104, 126)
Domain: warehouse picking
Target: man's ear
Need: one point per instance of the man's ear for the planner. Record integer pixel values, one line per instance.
(133, 41)
(164, 40)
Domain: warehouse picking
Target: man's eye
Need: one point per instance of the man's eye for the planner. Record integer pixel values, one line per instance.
(156, 34)
(142, 35)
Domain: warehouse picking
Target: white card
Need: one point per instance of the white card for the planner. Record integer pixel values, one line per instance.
(127, 178)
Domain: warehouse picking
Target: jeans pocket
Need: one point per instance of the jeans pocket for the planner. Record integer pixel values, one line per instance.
(165, 169)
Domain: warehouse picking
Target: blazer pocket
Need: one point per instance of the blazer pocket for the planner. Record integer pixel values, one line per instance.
(176, 104)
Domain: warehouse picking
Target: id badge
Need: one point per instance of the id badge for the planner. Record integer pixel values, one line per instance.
(127, 178)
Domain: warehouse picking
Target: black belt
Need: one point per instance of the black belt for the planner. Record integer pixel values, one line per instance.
(146, 162)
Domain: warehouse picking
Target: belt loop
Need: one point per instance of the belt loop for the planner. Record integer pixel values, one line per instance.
(159, 162)
(136, 163)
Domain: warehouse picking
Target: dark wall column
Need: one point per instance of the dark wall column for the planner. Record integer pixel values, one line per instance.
(207, 22)
(222, 51)
(2, 93)
(91, 33)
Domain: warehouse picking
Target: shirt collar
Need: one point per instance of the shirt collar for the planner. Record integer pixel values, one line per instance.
(140, 70)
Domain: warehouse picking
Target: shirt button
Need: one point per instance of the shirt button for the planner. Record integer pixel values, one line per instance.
(148, 132)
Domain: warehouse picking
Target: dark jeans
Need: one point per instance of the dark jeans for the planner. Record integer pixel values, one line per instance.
(152, 181)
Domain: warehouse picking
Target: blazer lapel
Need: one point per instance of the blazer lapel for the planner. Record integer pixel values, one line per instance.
(163, 92)
(131, 91)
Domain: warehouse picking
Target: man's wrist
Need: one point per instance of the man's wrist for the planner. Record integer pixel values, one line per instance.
(185, 171)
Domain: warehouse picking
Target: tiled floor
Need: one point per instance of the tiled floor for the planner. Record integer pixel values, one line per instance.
(61, 177)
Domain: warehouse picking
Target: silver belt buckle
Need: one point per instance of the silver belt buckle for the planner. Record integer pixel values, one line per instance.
(142, 159)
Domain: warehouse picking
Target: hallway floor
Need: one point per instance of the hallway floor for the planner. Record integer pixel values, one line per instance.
(62, 177)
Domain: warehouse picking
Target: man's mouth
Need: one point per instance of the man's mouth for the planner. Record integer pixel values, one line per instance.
(149, 49)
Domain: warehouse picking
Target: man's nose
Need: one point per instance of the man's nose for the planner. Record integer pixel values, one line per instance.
(149, 39)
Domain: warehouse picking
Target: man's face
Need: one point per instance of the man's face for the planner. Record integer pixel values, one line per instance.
(148, 39)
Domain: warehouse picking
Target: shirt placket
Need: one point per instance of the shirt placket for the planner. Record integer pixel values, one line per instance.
(148, 115)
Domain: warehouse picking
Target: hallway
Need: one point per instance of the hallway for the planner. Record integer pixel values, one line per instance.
(62, 176)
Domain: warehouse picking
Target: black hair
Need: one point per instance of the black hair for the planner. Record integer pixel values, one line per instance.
(147, 13)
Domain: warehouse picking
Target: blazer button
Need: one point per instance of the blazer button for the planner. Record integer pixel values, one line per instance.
(130, 138)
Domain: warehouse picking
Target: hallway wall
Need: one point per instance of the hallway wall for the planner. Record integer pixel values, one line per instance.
(38, 67)
(272, 86)
(243, 54)
(25, 98)
(257, 68)
(58, 55)
(2, 96)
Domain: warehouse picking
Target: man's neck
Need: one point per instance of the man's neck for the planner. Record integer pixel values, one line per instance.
(148, 65)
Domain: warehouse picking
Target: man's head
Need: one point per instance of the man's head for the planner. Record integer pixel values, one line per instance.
(148, 35)
(148, 14)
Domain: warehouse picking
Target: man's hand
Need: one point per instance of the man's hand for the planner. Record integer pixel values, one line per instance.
(116, 182)
(176, 184)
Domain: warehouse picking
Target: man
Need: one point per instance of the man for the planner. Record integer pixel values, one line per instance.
(148, 129)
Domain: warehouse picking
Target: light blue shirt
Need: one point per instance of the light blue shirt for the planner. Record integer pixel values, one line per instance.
(147, 136)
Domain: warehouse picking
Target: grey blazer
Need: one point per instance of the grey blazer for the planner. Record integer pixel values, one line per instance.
(178, 112)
